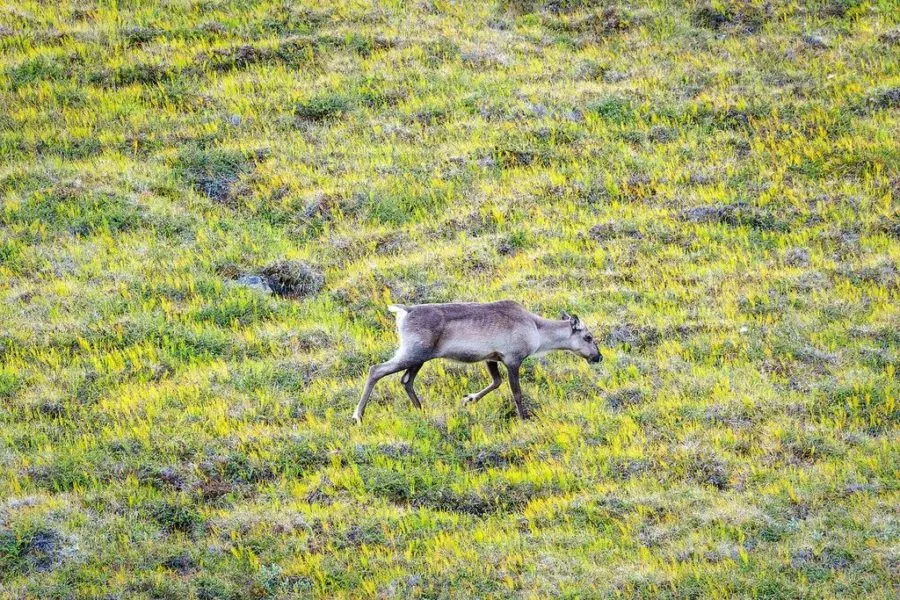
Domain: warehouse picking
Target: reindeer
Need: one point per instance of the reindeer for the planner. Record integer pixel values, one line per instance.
(494, 332)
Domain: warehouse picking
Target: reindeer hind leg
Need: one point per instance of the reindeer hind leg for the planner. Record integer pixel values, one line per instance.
(407, 380)
(494, 370)
(375, 373)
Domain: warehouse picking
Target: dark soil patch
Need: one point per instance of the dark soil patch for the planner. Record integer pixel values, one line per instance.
(624, 398)
(889, 224)
(512, 156)
(709, 471)
(215, 171)
(38, 549)
(884, 274)
(293, 279)
(739, 15)
(52, 409)
(299, 458)
(138, 36)
(610, 230)
(507, 498)
(165, 477)
(321, 206)
(889, 98)
(182, 563)
(599, 23)
(322, 108)
(737, 214)
(176, 515)
(639, 336)
(295, 52)
(623, 469)
(892, 38)
(494, 457)
(149, 74)
(403, 489)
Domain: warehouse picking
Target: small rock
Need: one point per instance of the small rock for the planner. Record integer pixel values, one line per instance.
(614, 76)
(835, 560)
(254, 282)
(700, 179)
(638, 179)
(539, 110)
(796, 257)
(486, 57)
(724, 552)
(576, 116)
(702, 214)
(395, 450)
(214, 27)
(217, 188)
(801, 558)
(815, 41)
(622, 334)
(662, 135)
(860, 488)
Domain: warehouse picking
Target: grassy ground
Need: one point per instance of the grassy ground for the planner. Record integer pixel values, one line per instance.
(711, 187)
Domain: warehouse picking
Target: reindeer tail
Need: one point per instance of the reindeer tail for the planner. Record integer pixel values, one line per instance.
(399, 309)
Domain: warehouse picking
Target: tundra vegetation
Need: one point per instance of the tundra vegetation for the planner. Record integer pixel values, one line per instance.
(207, 206)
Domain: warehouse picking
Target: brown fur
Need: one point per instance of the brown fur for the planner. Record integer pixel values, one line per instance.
(473, 332)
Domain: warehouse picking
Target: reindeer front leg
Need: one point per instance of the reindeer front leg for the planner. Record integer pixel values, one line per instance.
(513, 370)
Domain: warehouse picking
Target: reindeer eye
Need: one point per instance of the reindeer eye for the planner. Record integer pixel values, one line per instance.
(588, 338)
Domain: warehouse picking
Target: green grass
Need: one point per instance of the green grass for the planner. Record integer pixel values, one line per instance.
(711, 186)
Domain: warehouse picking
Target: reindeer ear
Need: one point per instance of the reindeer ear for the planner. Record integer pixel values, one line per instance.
(564, 316)
(576, 324)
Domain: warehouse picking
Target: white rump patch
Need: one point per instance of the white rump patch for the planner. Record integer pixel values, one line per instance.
(401, 313)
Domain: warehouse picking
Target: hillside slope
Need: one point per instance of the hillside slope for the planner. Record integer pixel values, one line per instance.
(712, 187)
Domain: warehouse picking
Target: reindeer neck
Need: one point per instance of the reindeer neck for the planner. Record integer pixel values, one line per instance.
(554, 334)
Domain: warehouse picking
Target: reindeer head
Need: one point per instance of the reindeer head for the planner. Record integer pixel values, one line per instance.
(581, 341)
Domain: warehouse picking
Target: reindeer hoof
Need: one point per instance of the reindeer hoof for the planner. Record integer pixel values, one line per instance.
(469, 399)
(357, 419)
